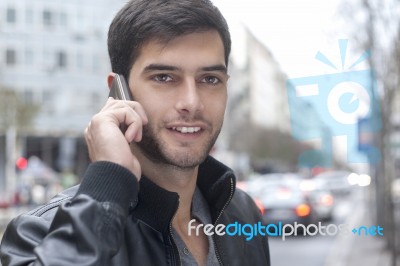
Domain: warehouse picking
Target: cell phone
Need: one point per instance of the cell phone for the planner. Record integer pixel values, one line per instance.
(120, 89)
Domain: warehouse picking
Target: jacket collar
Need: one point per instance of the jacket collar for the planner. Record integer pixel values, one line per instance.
(157, 206)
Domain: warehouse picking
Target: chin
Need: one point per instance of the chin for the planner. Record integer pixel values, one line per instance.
(188, 160)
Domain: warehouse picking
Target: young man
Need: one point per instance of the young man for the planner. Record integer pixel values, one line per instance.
(151, 184)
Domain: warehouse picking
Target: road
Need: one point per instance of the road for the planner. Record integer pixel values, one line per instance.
(307, 251)
(310, 250)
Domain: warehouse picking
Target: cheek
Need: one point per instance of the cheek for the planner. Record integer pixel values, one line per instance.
(219, 103)
(153, 105)
(154, 112)
(221, 114)
(217, 110)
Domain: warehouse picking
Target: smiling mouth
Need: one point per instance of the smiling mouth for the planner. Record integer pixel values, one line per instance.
(186, 130)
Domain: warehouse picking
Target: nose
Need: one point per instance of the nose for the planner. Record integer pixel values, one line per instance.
(189, 98)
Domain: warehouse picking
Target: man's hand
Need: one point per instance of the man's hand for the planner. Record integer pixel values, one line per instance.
(106, 141)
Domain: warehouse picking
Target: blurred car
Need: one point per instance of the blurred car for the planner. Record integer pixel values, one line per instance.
(323, 203)
(283, 200)
(337, 182)
(322, 199)
(244, 185)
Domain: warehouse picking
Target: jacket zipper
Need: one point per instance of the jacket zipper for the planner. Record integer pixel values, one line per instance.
(175, 252)
(50, 206)
(216, 221)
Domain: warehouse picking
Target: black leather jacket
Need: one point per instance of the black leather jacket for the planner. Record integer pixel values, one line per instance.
(105, 222)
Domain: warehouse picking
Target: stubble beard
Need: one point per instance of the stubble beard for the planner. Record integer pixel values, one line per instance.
(157, 151)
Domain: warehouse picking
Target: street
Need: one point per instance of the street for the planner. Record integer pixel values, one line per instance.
(307, 251)
(311, 250)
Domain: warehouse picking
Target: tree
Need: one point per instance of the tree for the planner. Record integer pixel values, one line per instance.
(267, 145)
(376, 26)
(15, 116)
(14, 112)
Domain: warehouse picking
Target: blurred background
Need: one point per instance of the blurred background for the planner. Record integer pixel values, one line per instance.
(285, 134)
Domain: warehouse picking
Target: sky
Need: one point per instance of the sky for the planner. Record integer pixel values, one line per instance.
(293, 30)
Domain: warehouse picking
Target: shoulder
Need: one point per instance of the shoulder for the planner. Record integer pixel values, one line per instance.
(243, 207)
(49, 209)
(240, 195)
(29, 229)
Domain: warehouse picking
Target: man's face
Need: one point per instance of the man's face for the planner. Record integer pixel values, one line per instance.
(182, 86)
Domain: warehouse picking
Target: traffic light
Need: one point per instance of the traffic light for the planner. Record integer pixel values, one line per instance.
(21, 163)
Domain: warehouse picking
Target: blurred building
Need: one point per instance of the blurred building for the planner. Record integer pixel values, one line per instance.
(267, 82)
(257, 95)
(257, 77)
(54, 54)
(257, 86)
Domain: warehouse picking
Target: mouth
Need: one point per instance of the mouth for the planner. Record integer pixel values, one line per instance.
(186, 130)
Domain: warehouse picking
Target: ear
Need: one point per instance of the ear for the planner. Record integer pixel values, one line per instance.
(110, 79)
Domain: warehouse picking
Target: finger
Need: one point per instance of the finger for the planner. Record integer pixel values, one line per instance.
(111, 103)
(133, 133)
(129, 117)
(88, 140)
(139, 109)
(135, 126)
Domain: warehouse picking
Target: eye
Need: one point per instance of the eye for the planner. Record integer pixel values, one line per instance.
(162, 78)
(211, 80)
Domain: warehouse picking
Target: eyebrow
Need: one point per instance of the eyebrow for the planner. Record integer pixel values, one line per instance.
(157, 67)
(220, 68)
(162, 67)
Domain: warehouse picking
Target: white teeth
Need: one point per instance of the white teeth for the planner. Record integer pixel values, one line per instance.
(187, 129)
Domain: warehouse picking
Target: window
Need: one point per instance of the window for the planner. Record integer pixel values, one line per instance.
(63, 19)
(47, 101)
(47, 96)
(11, 15)
(28, 57)
(48, 18)
(61, 59)
(11, 57)
(79, 60)
(28, 96)
(29, 17)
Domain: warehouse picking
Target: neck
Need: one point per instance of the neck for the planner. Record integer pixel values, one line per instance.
(171, 178)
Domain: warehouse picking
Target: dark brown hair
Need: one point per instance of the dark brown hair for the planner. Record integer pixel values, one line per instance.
(140, 21)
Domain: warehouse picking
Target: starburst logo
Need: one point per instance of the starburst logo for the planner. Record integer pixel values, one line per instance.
(333, 105)
(343, 51)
